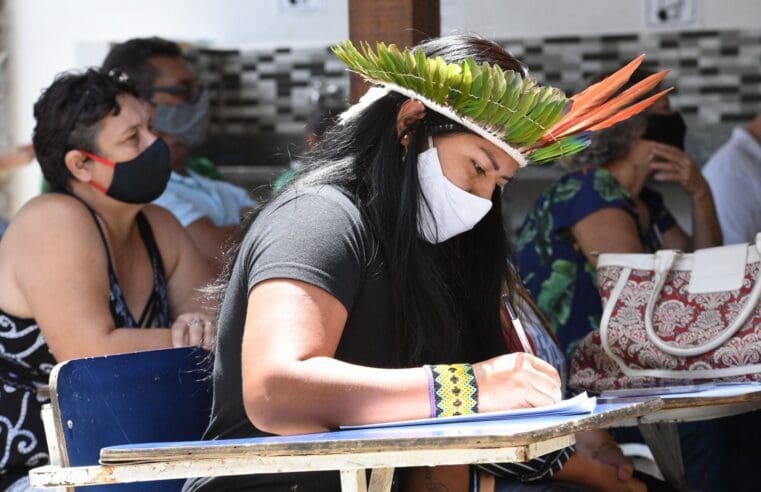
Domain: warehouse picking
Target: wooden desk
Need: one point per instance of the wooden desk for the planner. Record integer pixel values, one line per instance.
(351, 451)
(660, 428)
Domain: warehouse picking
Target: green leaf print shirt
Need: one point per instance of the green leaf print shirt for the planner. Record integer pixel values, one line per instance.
(552, 266)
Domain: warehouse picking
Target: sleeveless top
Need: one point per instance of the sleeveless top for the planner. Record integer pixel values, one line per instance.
(26, 362)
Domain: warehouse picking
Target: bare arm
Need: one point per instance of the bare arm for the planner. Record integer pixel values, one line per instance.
(292, 383)
(16, 157)
(583, 470)
(706, 231)
(71, 306)
(610, 230)
(675, 166)
(210, 239)
(187, 272)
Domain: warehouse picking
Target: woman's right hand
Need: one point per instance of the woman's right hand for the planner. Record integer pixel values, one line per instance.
(194, 329)
(516, 380)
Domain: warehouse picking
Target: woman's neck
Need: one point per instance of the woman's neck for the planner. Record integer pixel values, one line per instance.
(117, 217)
(629, 175)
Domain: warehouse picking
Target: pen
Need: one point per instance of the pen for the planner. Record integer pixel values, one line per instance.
(518, 326)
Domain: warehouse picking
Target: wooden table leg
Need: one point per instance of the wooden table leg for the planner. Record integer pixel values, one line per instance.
(663, 440)
(381, 480)
(353, 481)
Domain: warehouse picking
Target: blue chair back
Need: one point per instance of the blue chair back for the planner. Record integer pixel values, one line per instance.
(155, 396)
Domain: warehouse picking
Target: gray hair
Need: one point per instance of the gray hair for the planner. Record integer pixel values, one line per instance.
(607, 145)
(612, 143)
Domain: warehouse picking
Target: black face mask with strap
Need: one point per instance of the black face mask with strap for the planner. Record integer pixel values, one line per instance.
(140, 180)
(669, 129)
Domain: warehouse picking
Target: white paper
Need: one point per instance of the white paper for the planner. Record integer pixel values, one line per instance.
(578, 405)
(708, 390)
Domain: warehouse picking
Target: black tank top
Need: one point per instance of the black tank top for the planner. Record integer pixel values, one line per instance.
(26, 362)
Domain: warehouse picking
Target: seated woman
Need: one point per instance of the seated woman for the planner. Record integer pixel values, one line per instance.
(90, 269)
(380, 269)
(604, 205)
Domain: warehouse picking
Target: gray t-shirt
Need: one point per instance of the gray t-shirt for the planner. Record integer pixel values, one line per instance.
(315, 235)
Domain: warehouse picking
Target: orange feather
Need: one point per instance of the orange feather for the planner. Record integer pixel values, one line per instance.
(596, 93)
(595, 115)
(632, 110)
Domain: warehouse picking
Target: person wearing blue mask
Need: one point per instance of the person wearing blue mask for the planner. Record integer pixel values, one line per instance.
(208, 207)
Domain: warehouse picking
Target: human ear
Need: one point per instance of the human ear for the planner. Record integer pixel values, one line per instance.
(410, 113)
(76, 163)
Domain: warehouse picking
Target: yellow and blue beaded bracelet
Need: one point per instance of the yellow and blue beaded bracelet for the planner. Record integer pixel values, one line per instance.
(453, 390)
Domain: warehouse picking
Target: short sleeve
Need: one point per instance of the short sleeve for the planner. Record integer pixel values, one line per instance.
(736, 205)
(183, 210)
(580, 194)
(314, 237)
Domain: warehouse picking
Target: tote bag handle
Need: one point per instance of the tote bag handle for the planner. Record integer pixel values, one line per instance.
(664, 262)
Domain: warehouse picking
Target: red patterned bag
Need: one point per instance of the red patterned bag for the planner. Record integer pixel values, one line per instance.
(673, 318)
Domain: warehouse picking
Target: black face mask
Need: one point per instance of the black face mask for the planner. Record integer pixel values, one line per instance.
(669, 129)
(140, 180)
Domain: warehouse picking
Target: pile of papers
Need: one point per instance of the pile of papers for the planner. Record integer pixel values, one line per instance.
(708, 390)
(579, 405)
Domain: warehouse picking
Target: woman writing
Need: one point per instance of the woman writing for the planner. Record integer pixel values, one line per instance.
(385, 254)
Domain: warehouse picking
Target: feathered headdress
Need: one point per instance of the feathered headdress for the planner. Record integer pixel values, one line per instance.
(532, 123)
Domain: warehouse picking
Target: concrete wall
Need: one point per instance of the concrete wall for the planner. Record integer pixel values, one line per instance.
(541, 18)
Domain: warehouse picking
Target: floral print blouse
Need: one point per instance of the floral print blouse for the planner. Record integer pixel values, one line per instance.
(552, 265)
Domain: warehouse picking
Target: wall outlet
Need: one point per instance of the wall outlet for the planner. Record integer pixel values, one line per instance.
(671, 13)
(302, 5)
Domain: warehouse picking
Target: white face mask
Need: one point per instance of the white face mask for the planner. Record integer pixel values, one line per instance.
(450, 210)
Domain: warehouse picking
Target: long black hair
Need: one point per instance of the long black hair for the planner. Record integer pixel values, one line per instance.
(438, 292)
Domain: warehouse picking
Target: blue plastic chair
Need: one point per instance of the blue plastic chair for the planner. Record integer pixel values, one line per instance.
(155, 396)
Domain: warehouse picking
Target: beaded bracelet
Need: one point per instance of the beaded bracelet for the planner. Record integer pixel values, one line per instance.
(454, 390)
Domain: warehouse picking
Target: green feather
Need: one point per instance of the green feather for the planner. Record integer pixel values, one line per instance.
(510, 98)
(501, 101)
(454, 79)
(468, 73)
(492, 112)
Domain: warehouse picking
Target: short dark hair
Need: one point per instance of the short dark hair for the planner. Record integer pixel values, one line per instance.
(132, 56)
(68, 116)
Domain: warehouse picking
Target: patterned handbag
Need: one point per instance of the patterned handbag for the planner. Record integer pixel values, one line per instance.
(672, 318)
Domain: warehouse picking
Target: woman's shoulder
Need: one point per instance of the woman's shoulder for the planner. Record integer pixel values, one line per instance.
(327, 194)
(167, 232)
(48, 212)
(159, 217)
(46, 228)
(323, 212)
(313, 205)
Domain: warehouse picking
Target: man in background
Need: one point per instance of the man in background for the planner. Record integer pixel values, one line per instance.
(210, 209)
(734, 175)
